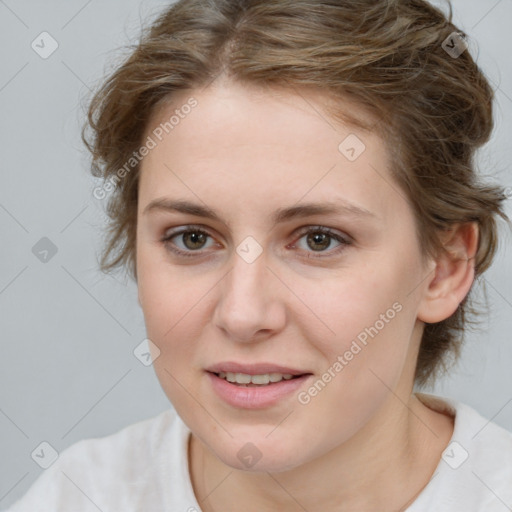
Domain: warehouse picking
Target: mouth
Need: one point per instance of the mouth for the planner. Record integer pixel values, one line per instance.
(259, 389)
(257, 380)
(255, 385)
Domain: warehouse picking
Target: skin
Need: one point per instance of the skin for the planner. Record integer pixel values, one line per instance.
(365, 442)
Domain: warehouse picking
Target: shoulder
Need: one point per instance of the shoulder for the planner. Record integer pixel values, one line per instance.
(139, 442)
(488, 451)
(127, 451)
(475, 471)
(104, 472)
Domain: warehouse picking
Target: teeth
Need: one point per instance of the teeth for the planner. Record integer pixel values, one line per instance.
(244, 378)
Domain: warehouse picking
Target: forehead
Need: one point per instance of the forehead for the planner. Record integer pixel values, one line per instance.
(264, 144)
(260, 115)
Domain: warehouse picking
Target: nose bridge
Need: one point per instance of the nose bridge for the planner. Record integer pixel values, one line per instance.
(246, 281)
(248, 301)
(249, 271)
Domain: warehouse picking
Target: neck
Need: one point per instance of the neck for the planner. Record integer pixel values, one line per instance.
(383, 467)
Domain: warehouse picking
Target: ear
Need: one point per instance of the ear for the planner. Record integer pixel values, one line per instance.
(454, 274)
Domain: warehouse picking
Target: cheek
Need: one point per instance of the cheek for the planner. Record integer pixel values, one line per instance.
(363, 359)
(169, 309)
(346, 306)
(163, 290)
(370, 320)
(169, 312)
(177, 307)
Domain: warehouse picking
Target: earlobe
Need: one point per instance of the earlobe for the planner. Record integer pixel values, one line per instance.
(454, 274)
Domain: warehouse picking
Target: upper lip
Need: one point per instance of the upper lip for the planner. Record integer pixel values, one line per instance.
(253, 368)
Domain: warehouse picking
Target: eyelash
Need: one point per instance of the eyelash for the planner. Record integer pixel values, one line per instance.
(166, 240)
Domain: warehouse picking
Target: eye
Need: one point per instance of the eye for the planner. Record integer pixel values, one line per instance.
(317, 238)
(192, 238)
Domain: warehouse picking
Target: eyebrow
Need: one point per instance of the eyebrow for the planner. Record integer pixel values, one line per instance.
(279, 216)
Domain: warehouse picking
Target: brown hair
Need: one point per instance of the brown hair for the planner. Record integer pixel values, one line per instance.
(432, 108)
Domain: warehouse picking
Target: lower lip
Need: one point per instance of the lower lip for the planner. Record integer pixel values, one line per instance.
(255, 397)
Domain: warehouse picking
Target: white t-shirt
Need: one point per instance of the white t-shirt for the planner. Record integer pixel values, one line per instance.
(144, 467)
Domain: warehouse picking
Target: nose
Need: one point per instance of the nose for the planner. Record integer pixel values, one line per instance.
(249, 307)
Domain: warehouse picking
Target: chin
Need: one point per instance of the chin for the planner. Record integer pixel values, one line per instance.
(259, 455)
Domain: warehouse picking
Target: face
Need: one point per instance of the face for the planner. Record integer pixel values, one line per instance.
(256, 280)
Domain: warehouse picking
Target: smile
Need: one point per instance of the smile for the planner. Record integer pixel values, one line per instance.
(244, 391)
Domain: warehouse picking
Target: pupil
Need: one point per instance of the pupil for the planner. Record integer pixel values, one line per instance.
(320, 238)
(195, 237)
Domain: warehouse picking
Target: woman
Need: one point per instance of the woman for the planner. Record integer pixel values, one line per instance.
(291, 184)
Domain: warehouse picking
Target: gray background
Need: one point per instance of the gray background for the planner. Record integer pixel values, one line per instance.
(67, 370)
